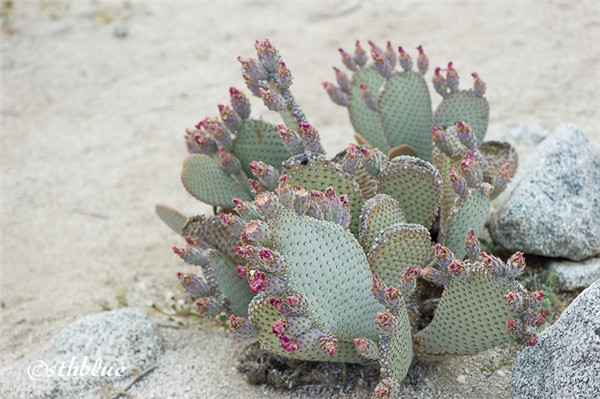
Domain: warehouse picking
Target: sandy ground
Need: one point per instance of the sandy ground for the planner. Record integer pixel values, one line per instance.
(92, 122)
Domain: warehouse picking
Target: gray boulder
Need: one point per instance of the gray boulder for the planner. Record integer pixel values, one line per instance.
(572, 276)
(98, 349)
(553, 206)
(565, 363)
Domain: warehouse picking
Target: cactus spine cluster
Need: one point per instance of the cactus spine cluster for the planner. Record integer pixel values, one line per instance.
(316, 258)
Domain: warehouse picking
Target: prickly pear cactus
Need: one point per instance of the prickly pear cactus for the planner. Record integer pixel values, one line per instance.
(390, 108)
(316, 258)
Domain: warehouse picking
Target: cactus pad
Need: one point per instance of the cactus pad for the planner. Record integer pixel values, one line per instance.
(378, 213)
(259, 141)
(407, 178)
(406, 112)
(398, 247)
(206, 180)
(172, 218)
(464, 106)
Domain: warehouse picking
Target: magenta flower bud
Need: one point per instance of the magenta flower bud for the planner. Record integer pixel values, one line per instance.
(472, 245)
(290, 140)
(243, 271)
(422, 61)
(386, 323)
(515, 265)
(457, 269)
(253, 69)
(470, 170)
(479, 85)
(342, 80)
(295, 305)
(441, 140)
(383, 390)
(273, 101)
(257, 282)
(512, 325)
(328, 342)
(242, 328)
(194, 285)
(370, 161)
(257, 187)
(239, 102)
(267, 55)
(248, 252)
(531, 340)
(221, 137)
(444, 256)
(229, 162)
(336, 94)
(289, 345)
(201, 143)
(392, 292)
(255, 231)
(301, 201)
(375, 48)
(310, 137)
(540, 318)
(492, 263)
(230, 118)
(209, 306)
(405, 60)
(284, 76)
(266, 174)
(360, 55)
(513, 300)
(285, 192)
(277, 303)
(367, 348)
(369, 98)
(279, 326)
(538, 296)
(245, 209)
(439, 83)
(452, 78)
(382, 65)
(390, 55)
(408, 281)
(459, 184)
(466, 135)
(348, 61)
(378, 285)
(267, 204)
(253, 85)
(350, 160)
(318, 195)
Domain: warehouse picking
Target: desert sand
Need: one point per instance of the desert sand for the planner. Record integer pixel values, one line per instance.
(96, 96)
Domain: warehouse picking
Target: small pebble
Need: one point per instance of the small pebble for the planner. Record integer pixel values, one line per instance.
(120, 31)
(461, 379)
(501, 373)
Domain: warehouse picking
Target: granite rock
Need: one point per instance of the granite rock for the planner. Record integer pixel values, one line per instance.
(553, 206)
(565, 363)
(573, 276)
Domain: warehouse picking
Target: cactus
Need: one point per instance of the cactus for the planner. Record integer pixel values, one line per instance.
(390, 109)
(317, 258)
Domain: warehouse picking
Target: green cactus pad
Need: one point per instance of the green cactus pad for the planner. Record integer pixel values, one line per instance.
(397, 351)
(262, 316)
(470, 317)
(378, 213)
(234, 287)
(172, 218)
(406, 112)
(206, 180)
(314, 172)
(212, 231)
(325, 263)
(416, 185)
(365, 121)
(259, 141)
(398, 247)
(467, 107)
(467, 213)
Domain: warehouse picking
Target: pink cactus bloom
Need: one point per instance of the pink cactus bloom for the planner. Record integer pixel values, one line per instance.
(289, 345)
(280, 326)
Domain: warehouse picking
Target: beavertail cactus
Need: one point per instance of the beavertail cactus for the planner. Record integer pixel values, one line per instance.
(318, 258)
(390, 108)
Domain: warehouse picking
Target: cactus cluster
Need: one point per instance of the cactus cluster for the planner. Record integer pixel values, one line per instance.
(318, 258)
